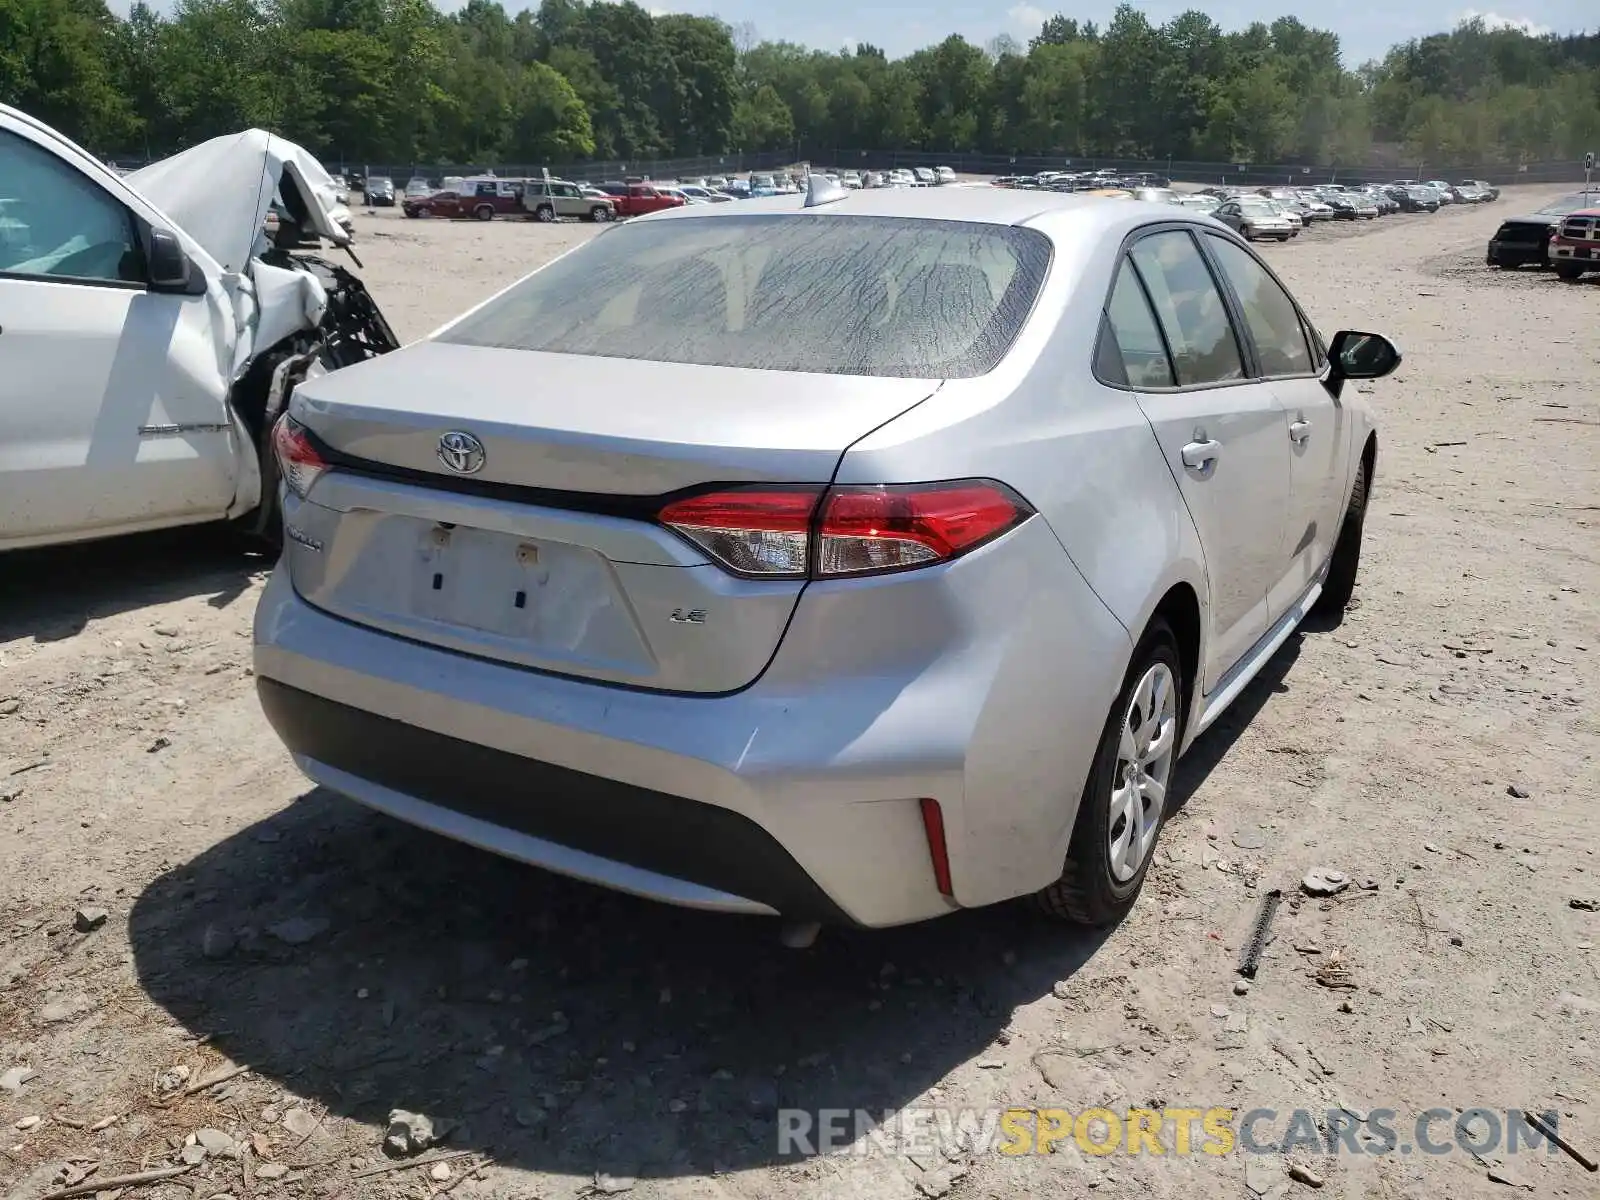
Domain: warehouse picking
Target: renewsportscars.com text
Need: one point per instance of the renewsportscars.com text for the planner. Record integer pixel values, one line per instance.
(1214, 1131)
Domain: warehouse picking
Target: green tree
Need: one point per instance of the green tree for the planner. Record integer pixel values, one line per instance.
(762, 121)
(548, 122)
(57, 60)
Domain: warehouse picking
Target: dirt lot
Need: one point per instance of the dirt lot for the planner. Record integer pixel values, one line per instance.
(1440, 744)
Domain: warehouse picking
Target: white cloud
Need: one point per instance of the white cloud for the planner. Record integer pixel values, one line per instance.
(1028, 17)
(1492, 20)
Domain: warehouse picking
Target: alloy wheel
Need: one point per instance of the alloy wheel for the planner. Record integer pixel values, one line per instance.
(1145, 755)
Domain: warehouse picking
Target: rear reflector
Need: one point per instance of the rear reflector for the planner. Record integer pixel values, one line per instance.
(799, 532)
(298, 460)
(933, 826)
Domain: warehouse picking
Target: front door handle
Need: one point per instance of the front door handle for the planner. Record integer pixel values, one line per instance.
(1299, 431)
(1197, 456)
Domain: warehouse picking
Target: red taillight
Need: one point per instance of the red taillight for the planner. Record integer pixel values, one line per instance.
(890, 528)
(774, 533)
(933, 826)
(764, 532)
(298, 461)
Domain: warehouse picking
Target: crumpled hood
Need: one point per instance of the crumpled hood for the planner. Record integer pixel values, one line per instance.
(219, 192)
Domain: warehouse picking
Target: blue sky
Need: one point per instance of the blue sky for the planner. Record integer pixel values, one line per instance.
(1366, 28)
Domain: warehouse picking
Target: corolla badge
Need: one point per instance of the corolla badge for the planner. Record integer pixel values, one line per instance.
(461, 452)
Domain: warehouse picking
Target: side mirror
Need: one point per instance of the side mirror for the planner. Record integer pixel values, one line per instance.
(1355, 355)
(169, 267)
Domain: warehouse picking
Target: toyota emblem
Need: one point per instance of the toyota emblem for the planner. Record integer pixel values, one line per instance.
(461, 453)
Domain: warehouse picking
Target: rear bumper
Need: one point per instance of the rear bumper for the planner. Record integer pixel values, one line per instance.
(983, 686)
(1514, 254)
(633, 838)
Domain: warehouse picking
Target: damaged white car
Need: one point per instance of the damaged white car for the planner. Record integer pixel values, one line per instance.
(151, 330)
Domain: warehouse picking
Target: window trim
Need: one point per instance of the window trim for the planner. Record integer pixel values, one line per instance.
(119, 285)
(1124, 254)
(1108, 329)
(135, 230)
(1313, 344)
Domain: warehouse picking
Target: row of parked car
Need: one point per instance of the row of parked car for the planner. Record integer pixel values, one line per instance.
(1283, 212)
(1274, 212)
(486, 197)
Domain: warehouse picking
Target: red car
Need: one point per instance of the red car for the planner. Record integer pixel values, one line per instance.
(636, 199)
(1575, 245)
(483, 199)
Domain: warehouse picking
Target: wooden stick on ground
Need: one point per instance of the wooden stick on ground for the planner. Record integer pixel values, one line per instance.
(1578, 1156)
(213, 1080)
(116, 1181)
(486, 1161)
(385, 1168)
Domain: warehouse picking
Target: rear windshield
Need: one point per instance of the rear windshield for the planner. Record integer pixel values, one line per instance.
(884, 296)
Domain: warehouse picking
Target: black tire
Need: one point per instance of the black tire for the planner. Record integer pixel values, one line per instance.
(1568, 272)
(483, 212)
(600, 214)
(544, 214)
(1087, 893)
(1345, 563)
(261, 529)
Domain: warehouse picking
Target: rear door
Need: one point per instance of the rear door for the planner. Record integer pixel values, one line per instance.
(569, 200)
(1223, 434)
(1319, 431)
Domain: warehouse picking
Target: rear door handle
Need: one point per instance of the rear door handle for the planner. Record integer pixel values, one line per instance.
(1299, 431)
(1197, 456)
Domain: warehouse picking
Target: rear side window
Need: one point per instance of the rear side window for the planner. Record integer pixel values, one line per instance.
(1271, 316)
(1190, 309)
(1131, 350)
(880, 296)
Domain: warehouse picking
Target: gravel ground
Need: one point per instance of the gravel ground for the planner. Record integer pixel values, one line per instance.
(1440, 743)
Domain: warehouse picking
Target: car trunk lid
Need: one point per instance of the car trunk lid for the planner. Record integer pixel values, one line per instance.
(547, 554)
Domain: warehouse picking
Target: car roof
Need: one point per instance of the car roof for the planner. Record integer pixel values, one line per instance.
(1060, 214)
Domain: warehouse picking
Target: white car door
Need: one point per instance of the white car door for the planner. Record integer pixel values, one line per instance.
(1319, 429)
(1223, 434)
(113, 396)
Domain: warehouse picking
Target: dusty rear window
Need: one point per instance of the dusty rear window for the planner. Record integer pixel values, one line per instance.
(836, 295)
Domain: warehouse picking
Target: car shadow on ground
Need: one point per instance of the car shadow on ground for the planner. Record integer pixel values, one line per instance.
(1209, 749)
(369, 966)
(569, 1028)
(52, 594)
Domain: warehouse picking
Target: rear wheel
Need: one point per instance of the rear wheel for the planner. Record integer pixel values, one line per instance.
(1125, 798)
(484, 212)
(1340, 583)
(544, 213)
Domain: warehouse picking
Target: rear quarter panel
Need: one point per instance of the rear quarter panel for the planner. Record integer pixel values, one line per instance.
(1085, 457)
(1081, 453)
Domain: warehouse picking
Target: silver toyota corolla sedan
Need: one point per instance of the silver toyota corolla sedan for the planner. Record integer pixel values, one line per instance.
(855, 556)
